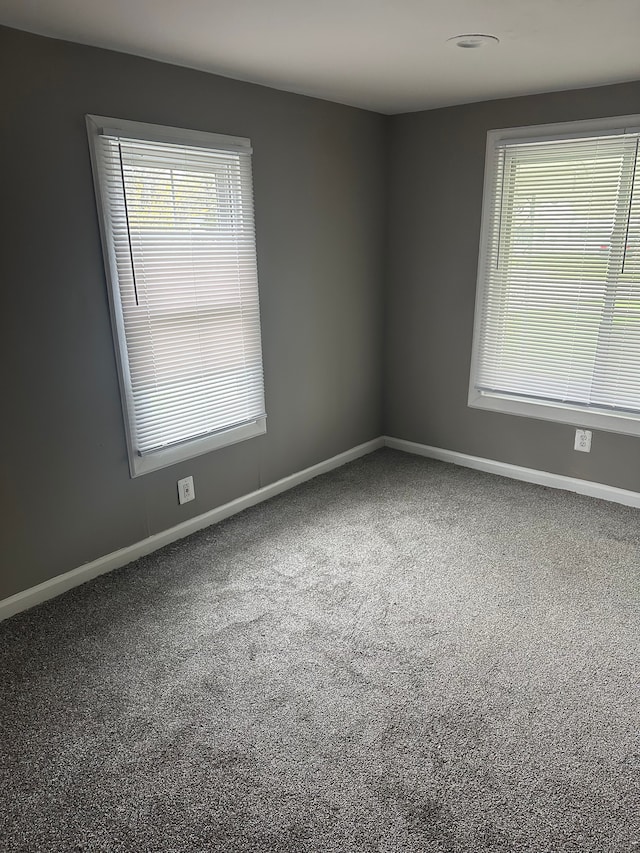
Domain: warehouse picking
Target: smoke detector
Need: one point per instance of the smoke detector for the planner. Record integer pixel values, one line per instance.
(473, 40)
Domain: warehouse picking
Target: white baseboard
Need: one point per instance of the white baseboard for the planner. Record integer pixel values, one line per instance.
(56, 586)
(517, 472)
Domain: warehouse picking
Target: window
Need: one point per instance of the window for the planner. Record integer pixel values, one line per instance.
(176, 217)
(557, 329)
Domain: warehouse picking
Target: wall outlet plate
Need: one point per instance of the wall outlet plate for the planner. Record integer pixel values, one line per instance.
(186, 492)
(583, 440)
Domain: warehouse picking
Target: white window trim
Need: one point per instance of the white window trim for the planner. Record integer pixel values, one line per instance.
(194, 447)
(142, 464)
(610, 421)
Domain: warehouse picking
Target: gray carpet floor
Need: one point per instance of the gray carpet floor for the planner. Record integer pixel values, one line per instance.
(399, 656)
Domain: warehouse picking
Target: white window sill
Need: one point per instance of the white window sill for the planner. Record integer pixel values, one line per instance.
(579, 416)
(190, 449)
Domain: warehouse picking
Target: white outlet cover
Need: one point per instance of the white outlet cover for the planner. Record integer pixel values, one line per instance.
(186, 491)
(583, 440)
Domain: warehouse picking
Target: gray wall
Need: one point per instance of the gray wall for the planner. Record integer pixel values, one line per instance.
(330, 332)
(319, 198)
(436, 171)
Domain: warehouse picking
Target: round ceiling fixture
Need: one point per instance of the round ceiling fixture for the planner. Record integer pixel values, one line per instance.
(473, 40)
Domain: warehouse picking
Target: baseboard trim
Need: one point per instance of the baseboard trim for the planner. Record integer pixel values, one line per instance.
(62, 583)
(517, 472)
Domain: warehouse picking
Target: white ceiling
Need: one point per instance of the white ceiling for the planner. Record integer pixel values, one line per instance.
(385, 55)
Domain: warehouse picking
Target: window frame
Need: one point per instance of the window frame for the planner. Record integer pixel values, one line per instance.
(608, 420)
(151, 461)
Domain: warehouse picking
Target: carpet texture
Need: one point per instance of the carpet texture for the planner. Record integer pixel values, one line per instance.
(398, 656)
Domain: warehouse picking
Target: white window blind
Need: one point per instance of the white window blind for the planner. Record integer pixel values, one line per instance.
(180, 244)
(558, 306)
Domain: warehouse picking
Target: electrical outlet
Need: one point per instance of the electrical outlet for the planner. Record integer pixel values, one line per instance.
(583, 440)
(186, 492)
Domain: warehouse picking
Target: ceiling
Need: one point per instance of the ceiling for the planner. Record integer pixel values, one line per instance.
(386, 55)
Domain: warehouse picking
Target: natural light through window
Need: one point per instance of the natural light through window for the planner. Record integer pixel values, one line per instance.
(178, 231)
(557, 331)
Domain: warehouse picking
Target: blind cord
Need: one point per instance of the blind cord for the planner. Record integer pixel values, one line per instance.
(626, 233)
(126, 213)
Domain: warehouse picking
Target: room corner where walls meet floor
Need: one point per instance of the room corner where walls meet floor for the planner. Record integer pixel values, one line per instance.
(82, 574)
